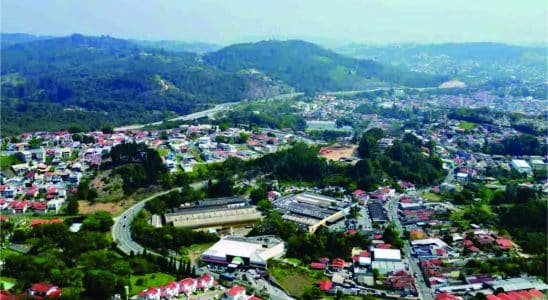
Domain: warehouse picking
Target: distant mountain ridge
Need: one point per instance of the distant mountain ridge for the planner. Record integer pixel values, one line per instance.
(50, 83)
(484, 59)
(179, 46)
(9, 39)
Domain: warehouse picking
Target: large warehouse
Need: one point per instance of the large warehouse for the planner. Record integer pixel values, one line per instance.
(219, 214)
(310, 211)
(244, 252)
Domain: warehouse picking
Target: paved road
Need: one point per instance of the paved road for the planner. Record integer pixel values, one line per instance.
(424, 291)
(121, 231)
(201, 114)
(192, 116)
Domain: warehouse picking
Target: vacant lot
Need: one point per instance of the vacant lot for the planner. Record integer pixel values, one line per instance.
(193, 252)
(294, 279)
(109, 188)
(113, 208)
(431, 196)
(336, 151)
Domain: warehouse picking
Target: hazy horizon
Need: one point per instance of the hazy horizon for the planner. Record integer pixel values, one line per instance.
(222, 22)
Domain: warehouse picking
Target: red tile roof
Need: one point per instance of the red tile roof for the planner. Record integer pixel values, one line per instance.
(504, 296)
(446, 296)
(504, 243)
(317, 265)
(536, 293)
(338, 263)
(235, 290)
(325, 285)
(45, 221)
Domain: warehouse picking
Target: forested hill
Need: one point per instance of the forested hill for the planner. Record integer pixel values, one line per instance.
(91, 81)
(309, 67)
(53, 83)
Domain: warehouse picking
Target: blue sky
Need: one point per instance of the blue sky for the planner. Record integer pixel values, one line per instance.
(228, 21)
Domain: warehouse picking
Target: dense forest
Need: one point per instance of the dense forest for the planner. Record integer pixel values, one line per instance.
(524, 144)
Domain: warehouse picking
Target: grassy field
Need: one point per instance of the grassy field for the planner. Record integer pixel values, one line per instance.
(163, 152)
(149, 280)
(294, 279)
(194, 251)
(7, 283)
(466, 125)
(294, 261)
(431, 196)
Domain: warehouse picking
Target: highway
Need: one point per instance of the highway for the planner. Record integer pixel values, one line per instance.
(192, 116)
(202, 114)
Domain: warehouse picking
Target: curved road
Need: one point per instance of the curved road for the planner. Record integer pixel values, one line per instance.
(121, 230)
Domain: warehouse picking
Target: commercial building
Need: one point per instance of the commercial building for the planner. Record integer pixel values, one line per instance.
(244, 252)
(387, 260)
(376, 212)
(517, 284)
(310, 211)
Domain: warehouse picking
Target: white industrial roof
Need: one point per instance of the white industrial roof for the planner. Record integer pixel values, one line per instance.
(386, 254)
(520, 163)
(229, 247)
(431, 241)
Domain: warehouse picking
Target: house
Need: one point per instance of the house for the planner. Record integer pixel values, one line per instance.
(43, 290)
(171, 290)
(150, 294)
(187, 286)
(401, 281)
(19, 207)
(504, 244)
(205, 282)
(236, 292)
(55, 205)
(338, 263)
(32, 191)
(39, 208)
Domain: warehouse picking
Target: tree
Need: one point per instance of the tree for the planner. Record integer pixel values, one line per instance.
(99, 221)
(102, 284)
(72, 206)
(258, 194)
(311, 293)
(264, 205)
(107, 129)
